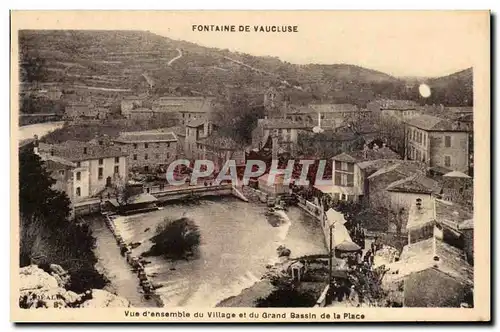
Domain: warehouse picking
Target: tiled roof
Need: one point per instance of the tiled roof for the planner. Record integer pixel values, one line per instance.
(220, 142)
(332, 108)
(141, 110)
(390, 104)
(185, 104)
(370, 166)
(466, 224)
(196, 123)
(433, 123)
(389, 171)
(457, 174)
(56, 161)
(416, 183)
(345, 158)
(284, 124)
(392, 167)
(177, 130)
(146, 136)
(367, 155)
(74, 151)
(294, 109)
(420, 256)
(372, 154)
(451, 213)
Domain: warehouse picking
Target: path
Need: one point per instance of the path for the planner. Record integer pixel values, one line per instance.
(176, 58)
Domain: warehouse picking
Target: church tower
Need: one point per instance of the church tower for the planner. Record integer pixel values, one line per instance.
(274, 103)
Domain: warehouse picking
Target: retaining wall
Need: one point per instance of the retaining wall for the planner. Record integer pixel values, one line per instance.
(134, 262)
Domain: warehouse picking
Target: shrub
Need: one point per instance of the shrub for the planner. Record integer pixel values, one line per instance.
(175, 239)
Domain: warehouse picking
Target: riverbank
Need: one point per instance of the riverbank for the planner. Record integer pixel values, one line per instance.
(248, 296)
(238, 242)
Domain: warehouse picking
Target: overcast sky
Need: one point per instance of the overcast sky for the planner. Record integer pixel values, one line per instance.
(407, 43)
(401, 44)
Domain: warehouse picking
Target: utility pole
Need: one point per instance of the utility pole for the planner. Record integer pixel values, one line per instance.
(330, 262)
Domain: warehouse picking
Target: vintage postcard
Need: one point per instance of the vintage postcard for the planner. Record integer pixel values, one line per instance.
(248, 166)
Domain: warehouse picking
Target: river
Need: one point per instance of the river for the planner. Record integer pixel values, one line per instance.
(237, 243)
(40, 129)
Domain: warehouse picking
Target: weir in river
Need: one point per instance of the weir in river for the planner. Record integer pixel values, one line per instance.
(237, 243)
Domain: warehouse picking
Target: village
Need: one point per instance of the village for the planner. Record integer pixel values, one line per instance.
(396, 215)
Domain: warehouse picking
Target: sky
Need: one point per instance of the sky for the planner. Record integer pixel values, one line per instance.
(410, 43)
(425, 44)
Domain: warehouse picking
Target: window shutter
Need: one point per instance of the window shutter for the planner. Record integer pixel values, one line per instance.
(350, 179)
(338, 164)
(350, 167)
(337, 178)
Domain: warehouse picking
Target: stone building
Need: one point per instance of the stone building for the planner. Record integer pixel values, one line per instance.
(148, 150)
(96, 166)
(440, 143)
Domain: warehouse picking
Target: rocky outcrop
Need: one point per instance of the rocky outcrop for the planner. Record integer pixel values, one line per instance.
(39, 289)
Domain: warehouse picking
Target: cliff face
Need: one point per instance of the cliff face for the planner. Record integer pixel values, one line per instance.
(39, 289)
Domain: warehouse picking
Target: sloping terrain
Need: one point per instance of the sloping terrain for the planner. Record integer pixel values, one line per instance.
(127, 62)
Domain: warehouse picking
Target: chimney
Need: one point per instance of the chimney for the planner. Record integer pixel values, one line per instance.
(365, 151)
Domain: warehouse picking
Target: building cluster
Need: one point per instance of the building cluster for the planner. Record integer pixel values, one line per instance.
(427, 188)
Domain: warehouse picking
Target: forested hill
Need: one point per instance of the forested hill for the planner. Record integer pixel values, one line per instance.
(137, 60)
(454, 89)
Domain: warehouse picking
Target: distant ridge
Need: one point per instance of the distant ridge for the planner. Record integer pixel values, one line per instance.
(124, 59)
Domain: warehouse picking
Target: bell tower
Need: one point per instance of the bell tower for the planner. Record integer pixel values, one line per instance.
(274, 103)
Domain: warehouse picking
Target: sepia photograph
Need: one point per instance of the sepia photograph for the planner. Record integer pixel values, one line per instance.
(202, 166)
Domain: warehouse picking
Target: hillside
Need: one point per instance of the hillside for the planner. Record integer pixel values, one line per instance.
(115, 63)
(455, 89)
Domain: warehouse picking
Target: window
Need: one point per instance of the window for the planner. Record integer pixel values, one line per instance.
(61, 172)
(117, 160)
(146, 145)
(78, 191)
(168, 145)
(447, 161)
(78, 164)
(447, 141)
(135, 145)
(78, 176)
(85, 150)
(135, 157)
(146, 169)
(146, 156)
(168, 155)
(157, 156)
(100, 161)
(425, 139)
(100, 172)
(117, 169)
(344, 174)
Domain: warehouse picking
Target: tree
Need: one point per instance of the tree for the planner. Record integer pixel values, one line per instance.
(46, 235)
(237, 117)
(122, 192)
(175, 239)
(286, 295)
